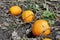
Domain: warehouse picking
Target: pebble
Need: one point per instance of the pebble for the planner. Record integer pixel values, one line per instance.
(56, 28)
(6, 24)
(27, 31)
(58, 32)
(15, 36)
(0, 25)
(58, 37)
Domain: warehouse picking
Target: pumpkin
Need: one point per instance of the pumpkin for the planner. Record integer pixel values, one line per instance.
(40, 27)
(47, 39)
(15, 10)
(27, 16)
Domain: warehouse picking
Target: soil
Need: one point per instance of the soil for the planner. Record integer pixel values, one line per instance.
(13, 27)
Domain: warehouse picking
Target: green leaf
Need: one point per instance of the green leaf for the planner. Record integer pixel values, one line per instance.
(34, 7)
(49, 15)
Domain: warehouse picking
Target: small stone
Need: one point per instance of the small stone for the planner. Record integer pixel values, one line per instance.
(15, 36)
(14, 33)
(27, 31)
(58, 37)
(0, 25)
(56, 28)
(9, 20)
(3, 27)
(34, 39)
(52, 28)
(58, 32)
(6, 24)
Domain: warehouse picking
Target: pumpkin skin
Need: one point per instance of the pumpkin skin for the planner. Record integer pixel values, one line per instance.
(27, 16)
(47, 39)
(15, 10)
(40, 27)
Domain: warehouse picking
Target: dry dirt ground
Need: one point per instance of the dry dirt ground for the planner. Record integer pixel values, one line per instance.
(13, 28)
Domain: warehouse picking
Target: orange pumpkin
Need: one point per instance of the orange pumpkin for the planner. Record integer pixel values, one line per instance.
(47, 39)
(28, 16)
(40, 27)
(15, 10)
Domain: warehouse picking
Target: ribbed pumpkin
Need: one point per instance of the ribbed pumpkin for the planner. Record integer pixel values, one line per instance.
(28, 16)
(40, 27)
